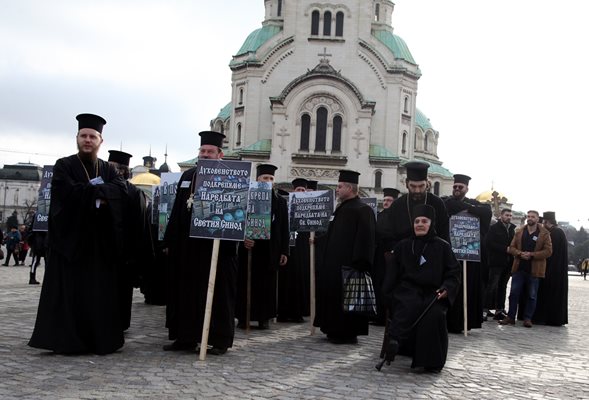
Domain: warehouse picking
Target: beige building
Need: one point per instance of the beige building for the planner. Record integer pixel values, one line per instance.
(326, 85)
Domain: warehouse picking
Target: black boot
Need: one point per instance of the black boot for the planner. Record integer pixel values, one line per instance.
(32, 280)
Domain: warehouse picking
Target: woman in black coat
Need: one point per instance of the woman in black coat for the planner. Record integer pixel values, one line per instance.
(423, 267)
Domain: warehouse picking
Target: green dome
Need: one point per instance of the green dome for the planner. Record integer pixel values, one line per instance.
(422, 121)
(225, 112)
(257, 38)
(395, 44)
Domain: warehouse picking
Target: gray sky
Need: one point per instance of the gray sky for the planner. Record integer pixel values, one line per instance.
(503, 82)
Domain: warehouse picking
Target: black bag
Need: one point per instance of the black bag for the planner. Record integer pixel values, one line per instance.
(358, 292)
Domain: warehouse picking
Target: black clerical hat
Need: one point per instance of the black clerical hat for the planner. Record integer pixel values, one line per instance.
(348, 176)
(212, 138)
(424, 210)
(390, 192)
(91, 121)
(416, 171)
(549, 216)
(460, 178)
(120, 157)
(298, 182)
(312, 185)
(265, 169)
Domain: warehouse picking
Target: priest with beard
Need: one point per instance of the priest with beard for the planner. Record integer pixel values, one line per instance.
(397, 220)
(350, 241)
(189, 268)
(423, 268)
(476, 272)
(552, 303)
(79, 304)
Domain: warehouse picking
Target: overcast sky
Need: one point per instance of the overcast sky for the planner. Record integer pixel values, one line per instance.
(504, 82)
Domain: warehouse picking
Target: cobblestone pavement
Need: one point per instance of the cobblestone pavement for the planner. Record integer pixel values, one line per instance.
(285, 362)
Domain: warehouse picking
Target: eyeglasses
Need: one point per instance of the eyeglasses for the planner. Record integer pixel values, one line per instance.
(458, 187)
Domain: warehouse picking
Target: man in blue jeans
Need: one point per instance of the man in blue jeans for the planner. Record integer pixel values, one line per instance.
(530, 247)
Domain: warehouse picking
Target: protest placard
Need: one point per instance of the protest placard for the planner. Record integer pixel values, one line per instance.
(41, 222)
(259, 211)
(220, 200)
(310, 211)
(372, 202)
(465, 236)
(163, 197)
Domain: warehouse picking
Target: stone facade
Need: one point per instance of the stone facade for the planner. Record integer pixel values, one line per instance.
(324, 86)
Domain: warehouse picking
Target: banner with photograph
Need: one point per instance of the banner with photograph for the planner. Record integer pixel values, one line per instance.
(163, 198)
(219, 203)
(310, 211)
(259, 211)
(465, 236)
(41, 222)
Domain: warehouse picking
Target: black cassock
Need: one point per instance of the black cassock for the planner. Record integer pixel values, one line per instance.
(419, 268)
(379, 266)
(153, 277)
(265, 264)
(397, 222)
(79, 308)
(552, 300)
(350, 241)
(293, 281)
(188, 277)
(138, 250)
(476, 272)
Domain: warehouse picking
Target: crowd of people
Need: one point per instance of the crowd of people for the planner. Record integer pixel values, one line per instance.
(101, 245)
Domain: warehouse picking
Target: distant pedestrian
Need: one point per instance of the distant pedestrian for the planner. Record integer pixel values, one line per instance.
(12, 245)
(584, 268)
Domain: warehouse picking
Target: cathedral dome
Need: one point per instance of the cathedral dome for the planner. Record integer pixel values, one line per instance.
(145, 178)
(487, 196)
(422, 121)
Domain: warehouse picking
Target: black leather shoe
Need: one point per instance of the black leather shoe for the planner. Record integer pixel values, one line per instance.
(179, 346)
(217, 351)
(263, 324)
(434, 370)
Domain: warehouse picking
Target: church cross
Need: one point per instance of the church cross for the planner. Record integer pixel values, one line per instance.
(324, 54)
(283, 133)
(358, 137)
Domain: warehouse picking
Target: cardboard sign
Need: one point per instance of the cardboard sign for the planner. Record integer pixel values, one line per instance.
(259, 211)
(310, 211)
(465, 236)
(219, 203)
(41, 222)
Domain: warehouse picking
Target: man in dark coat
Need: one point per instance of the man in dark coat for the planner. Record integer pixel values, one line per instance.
(499, 261)
(189, 268)
(292, 303)
(138, 250)
(79, 305)
(552, 303)
(350, 241)
(267, 257)
(423, 268)
(475, 284)
(397, 220)
(378, 268)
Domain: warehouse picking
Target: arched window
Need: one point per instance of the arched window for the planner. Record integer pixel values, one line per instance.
(425, 140)
(238, 136)
(337, 134)
(339, 24)
(315, 23)
(377, 13)
(378, 179)
(321, 129)
(327, 23)
(437, 188)
(279, 11)
(406, 105)
(415, 142)
(241, 96)
(305, 131)
(404, 143)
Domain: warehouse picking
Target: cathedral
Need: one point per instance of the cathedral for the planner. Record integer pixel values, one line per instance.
(326, 85)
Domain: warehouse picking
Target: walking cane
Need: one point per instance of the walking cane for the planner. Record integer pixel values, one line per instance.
(209, 306)
(431, 303)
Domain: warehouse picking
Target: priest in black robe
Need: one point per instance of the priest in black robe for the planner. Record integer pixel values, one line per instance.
(189, 268)
(350, 241)
(267, 257)
(79, 307)
(138, 251)
(293, 300)
(423, 268)
(379, 266)
(476, 272)
(397, 220)
(552, 303)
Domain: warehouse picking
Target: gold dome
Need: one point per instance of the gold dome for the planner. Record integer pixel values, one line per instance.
(487, 196)
(145, 178)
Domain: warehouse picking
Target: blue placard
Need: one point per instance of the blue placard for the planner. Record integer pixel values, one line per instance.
(465, 236)
(41, 222)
